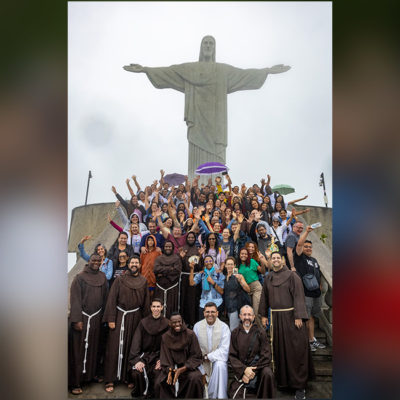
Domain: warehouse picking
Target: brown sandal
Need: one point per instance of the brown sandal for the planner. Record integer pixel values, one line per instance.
(109, 387)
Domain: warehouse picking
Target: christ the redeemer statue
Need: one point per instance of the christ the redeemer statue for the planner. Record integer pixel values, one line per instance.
(206, 85)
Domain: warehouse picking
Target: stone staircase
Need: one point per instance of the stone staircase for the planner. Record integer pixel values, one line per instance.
(92, 219)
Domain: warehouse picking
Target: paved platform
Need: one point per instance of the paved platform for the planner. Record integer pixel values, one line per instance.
(315, 390)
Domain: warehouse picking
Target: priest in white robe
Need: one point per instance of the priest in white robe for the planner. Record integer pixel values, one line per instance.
(214, 337)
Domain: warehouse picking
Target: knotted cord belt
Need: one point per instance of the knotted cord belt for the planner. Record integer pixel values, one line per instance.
(271, 329)
(165, 295)
(87, 337)
(121, 338)
(146, 378)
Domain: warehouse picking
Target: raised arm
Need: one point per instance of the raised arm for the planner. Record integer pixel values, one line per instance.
(292, 215)
(187, 184)
(187, 203)
(146, 198)
(136, 182)
(81, 248)
(164, 230)
(302, 239)
(295, 201)
(113, 224)
(229, 181)
(121, 213)
(129, 187)
(301, 212)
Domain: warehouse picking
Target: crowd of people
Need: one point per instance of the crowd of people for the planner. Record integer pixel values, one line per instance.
(199, 278)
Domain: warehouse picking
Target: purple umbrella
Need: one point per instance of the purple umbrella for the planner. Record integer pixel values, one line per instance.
(174, 179)
(211, 168)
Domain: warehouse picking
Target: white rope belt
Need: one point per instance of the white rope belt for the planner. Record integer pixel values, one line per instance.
(271, 330)
(176, 384)
(87, 337)
(165, 295)
(121, 338)
(146, 378)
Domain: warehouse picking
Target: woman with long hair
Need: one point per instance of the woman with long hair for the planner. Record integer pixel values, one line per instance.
(235, 292)
(213, 248)
(106, 265)
(249, 268)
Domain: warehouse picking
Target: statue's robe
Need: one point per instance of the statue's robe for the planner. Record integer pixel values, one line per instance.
(206, 86)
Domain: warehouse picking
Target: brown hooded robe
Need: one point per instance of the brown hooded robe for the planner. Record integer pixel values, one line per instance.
(242, 352)
(292, 357)
(167, 270)
(180, 349)
(190, 295)
(88, 294)
(145, 347)
(127, 292)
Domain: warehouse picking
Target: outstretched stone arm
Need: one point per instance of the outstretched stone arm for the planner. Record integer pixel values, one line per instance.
(277, 69)
(134, 68)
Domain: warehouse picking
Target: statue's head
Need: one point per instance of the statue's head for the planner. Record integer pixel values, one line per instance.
(207, 49)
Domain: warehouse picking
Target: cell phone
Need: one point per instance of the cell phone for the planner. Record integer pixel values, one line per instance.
(316, 225)
(235, 271)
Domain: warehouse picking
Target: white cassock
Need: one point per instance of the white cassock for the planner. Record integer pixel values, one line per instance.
(214, 341)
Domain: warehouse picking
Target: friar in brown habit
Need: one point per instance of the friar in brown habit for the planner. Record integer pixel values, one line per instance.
(88, 299)
(180, 358)
(283, 292)
(144, 357)
(167, 269)
(250, 358)
(127, 303)
(190, 295)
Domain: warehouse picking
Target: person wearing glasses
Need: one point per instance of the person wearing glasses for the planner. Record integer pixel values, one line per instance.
(212, 281)
(214, 338)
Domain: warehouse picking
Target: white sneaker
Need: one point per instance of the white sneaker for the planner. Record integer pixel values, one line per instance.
(300, 394)
(318, 345)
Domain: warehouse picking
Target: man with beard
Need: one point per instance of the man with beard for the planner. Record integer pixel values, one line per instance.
(180, 358)
(259, 234)
(189, 295)
(167, 269)
(176, 237)
(291, 357)
(152, 231)
(214, 339)
(88, 299)
(144, 357)
(250, 358)
(127, 302)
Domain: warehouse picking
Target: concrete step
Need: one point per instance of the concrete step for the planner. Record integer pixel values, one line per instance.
(323, 368)
(322, 354)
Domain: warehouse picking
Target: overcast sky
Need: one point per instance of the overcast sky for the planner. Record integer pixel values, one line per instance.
(120, 125)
